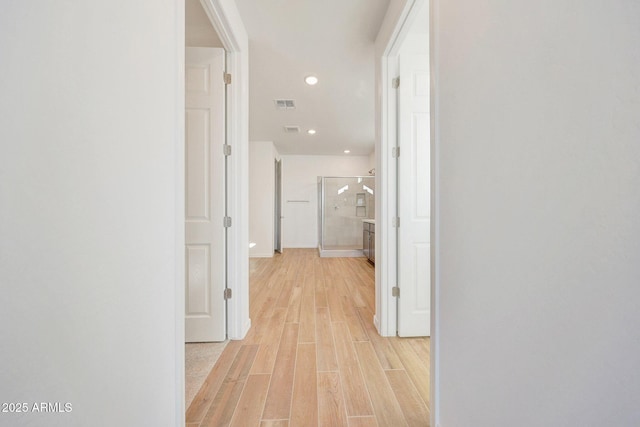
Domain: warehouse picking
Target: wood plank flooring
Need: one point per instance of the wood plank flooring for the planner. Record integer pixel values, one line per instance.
(313, 356)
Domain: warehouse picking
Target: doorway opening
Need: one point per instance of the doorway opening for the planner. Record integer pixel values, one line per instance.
(236, 267)
(404, 285)
(211, 53)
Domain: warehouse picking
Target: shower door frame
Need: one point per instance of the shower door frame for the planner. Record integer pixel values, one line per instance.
(321, 193)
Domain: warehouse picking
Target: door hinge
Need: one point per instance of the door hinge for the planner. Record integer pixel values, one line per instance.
(226, 149)
(395, 291)
(227, 78)
(395, 221)
(395, 83)
(227, 222)
(227, 293)
(395, 152)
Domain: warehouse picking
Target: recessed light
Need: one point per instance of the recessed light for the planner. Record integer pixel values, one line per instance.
(311, 131)
(311, 80)
(347, 151)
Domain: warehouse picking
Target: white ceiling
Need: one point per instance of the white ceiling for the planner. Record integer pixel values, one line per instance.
(331, 39)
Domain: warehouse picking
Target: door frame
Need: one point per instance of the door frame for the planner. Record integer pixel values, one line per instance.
(226, 21)
(277, 211)
(393, 31)
(388, 45)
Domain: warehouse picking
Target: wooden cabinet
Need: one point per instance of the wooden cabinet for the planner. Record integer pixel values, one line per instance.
(369, 241)
(372, 244)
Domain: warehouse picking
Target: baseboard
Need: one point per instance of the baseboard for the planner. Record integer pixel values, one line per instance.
(245, 330)
(261, 255)
(376, 323)
(341, 253)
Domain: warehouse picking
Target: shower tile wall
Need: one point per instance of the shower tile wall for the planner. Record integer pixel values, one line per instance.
(342, 216)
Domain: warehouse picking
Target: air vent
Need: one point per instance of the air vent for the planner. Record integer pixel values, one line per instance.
(292, 129)
(285, 104)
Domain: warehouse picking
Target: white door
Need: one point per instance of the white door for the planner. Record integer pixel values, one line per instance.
(414, 207)
(205, 195)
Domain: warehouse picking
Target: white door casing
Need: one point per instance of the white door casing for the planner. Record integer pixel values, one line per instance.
(205, 316)
(278, 206)
(414, 199)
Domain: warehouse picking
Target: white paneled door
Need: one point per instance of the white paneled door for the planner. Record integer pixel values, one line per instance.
(205, 195)
(414, 206)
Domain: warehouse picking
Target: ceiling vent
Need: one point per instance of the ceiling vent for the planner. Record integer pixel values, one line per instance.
(292, 129)
(285, 104)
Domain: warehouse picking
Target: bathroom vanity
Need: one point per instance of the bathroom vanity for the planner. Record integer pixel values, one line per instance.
(369, 239)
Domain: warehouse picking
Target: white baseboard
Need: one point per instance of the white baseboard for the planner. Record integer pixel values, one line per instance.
(261, 255)
(339, 253)
(245, 330)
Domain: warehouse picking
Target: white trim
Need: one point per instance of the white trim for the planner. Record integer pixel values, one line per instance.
(341, 253)
(261, 255)
(435, 218)
(405, 20)
(225, 18)
(385, 255)
(394, 28)
(387, 235)
(179, 214)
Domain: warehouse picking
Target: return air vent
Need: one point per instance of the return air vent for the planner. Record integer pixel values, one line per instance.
(285, 104)
(291, 129)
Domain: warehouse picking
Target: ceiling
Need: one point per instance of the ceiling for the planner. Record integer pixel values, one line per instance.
(331, 39)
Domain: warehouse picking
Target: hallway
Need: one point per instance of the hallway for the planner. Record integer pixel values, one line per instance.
(313, 356)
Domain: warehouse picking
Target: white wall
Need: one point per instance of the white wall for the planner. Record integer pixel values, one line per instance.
(537, 139)
(300, 182)
(262, 155)
(89, 158)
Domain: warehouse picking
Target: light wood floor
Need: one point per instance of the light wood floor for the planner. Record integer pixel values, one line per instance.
(313, 356)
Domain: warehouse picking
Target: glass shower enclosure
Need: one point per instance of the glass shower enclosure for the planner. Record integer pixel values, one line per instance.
(343, 202)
